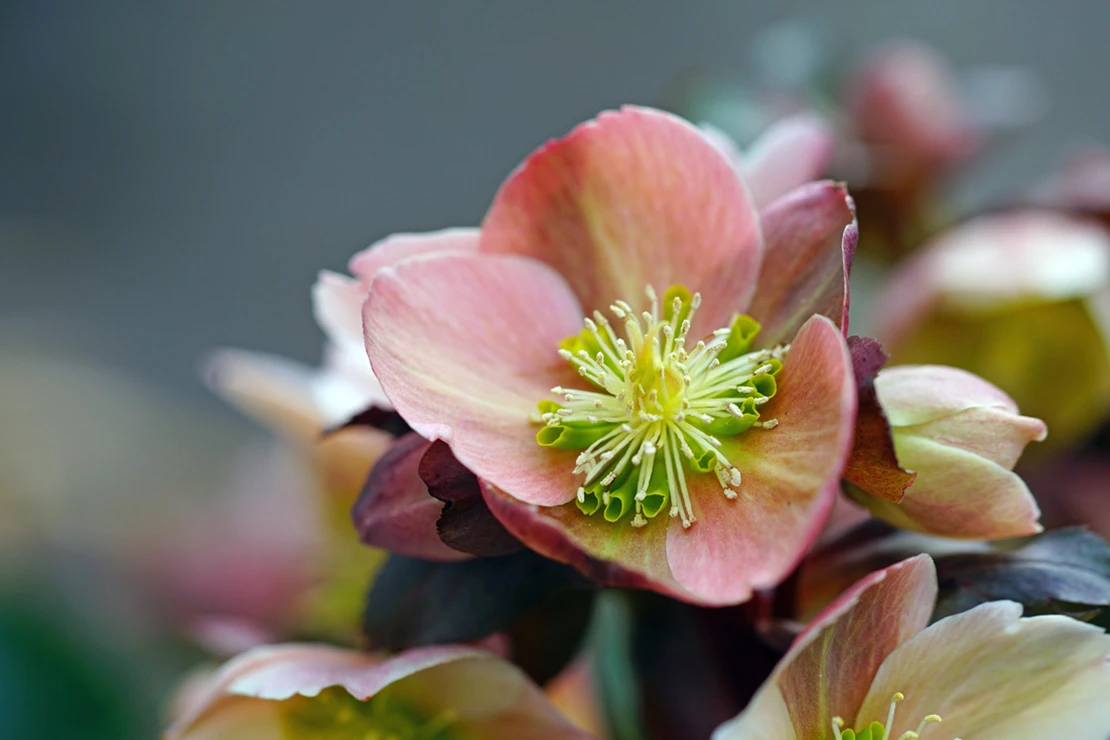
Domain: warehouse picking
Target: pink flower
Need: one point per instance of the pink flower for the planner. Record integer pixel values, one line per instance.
(311, 691)
(665, 445)
(906, 107)
(961, 436)
(868, 667)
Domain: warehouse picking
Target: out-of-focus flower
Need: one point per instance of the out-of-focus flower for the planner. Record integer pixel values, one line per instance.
(961, 436)
(1021, 299)
(1081, 185)
(868, 668)
(905, 106)
(316, 691)
(907, 126)
(311, 407)
(701, 469)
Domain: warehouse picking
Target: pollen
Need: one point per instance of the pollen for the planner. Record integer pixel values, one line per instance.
(878, 731)
(656, 410)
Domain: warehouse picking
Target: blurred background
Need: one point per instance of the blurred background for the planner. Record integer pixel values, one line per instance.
(173, 176)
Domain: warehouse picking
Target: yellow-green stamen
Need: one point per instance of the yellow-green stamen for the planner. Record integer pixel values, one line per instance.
(877, 730)
(657, 409)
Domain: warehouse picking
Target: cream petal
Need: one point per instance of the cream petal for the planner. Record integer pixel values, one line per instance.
(991, 675)
(766, 718)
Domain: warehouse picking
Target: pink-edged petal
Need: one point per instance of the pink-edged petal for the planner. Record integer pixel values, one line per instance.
(636, 197)
(614, 555)
(958, 494)
(916, 394)
(790, 476)
(399, 247)
(277, 672)
(487, 696)
(991, 675)
(395, 511)
(831, 665)
(792, 152)
(810, 240)
(465, 347)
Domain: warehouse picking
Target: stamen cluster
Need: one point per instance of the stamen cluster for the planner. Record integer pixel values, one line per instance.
(658, 407)
(878, 731)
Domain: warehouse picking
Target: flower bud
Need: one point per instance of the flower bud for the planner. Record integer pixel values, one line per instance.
(962, 436)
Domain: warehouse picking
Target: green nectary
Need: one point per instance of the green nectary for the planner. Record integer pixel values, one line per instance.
(334, 714)
(657, 409)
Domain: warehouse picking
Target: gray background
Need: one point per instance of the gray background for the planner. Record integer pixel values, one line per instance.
(173, 175)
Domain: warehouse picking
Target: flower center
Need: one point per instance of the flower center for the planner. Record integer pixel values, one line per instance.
(877, 730)
(334, 714)
(657, 409)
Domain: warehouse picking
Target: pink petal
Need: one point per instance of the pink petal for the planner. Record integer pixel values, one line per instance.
(829, 670)
(790, 478)
(792, 152)
(810, 239)
(613, 555)
(991, 675)
(395, 511)
(637, 197)
(465, 347)
(399, 247)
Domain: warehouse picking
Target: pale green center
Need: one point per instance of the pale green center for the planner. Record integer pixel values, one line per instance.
(877, 730)
(334, 714)
(657, 410)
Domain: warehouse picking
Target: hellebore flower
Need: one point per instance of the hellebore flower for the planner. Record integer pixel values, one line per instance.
(905, 105)
(678, 442)
(1020, 299)
(961, 436)
(315, 691)
(868, 668)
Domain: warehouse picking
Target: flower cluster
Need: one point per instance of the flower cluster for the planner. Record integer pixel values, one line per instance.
(637, 373)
